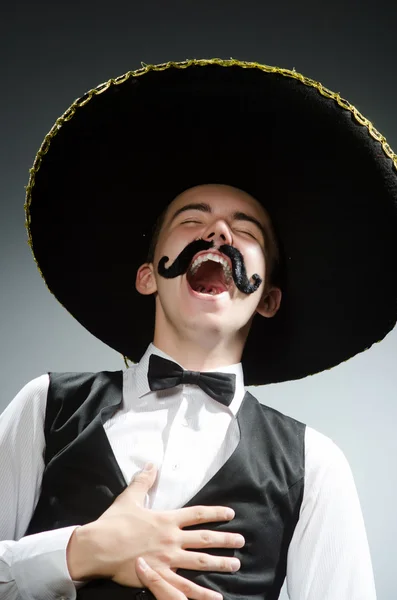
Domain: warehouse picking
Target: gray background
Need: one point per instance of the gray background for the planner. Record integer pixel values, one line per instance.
(52, 53)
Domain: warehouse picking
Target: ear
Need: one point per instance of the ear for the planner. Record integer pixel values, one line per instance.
(145, 281)
(270, 303)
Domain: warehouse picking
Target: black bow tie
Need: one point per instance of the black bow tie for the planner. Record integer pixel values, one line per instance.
(165, 373)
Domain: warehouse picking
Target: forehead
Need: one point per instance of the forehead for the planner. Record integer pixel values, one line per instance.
(222, 199)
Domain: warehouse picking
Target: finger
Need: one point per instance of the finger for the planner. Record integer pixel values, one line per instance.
(189, 588)
(205, 538)
(141, 484)
(150, 579)
(192, 515)
(199, 561)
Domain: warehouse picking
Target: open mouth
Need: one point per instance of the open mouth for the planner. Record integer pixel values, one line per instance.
(209, 274)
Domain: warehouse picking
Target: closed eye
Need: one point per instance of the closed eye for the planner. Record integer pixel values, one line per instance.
(246, 232)
(242, 231)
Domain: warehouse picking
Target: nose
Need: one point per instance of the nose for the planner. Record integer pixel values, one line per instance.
(219, 232)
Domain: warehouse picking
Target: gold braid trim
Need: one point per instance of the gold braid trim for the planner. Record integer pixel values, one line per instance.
(100, 89)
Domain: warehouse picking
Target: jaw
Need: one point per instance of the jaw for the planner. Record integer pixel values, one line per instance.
(210, 322)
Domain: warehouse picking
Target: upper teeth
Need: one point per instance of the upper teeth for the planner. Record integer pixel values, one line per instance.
(216, 258)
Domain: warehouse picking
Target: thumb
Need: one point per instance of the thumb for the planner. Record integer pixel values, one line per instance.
(141, 484)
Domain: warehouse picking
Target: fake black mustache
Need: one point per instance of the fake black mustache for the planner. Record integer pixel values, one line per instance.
(182, 262)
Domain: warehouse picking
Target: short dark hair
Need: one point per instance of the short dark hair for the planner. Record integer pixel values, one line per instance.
(273, 251)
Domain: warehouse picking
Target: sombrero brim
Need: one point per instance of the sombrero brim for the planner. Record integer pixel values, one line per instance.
(123, 151)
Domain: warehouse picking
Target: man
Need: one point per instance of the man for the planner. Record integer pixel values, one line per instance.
(215, 273)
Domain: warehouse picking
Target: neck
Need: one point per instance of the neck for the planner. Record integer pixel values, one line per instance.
(201, 353)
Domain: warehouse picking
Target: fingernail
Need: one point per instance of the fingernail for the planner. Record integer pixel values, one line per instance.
(142, 563)
(230, 513)
(148, 467)
(235, 564)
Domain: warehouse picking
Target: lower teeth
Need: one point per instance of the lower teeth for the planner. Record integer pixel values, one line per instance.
(211, 291)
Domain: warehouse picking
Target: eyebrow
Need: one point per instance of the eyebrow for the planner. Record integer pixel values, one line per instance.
(236, 216)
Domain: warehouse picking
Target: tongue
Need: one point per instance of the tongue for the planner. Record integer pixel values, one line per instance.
(206, 288)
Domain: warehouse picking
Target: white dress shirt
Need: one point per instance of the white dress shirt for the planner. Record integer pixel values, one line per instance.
(328, 558)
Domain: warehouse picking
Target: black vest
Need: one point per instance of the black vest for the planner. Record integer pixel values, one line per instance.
(263, 481)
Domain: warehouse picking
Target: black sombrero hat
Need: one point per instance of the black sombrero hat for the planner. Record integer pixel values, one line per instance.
(123, 151)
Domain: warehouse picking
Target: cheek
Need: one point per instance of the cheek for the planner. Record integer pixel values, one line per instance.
(170, 247)
(254, 260)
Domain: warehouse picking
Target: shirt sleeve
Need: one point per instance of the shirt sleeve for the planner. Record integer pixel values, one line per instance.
(329, 555)
(33, 567)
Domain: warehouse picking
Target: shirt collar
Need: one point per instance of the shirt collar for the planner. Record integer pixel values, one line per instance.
(142, 384)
